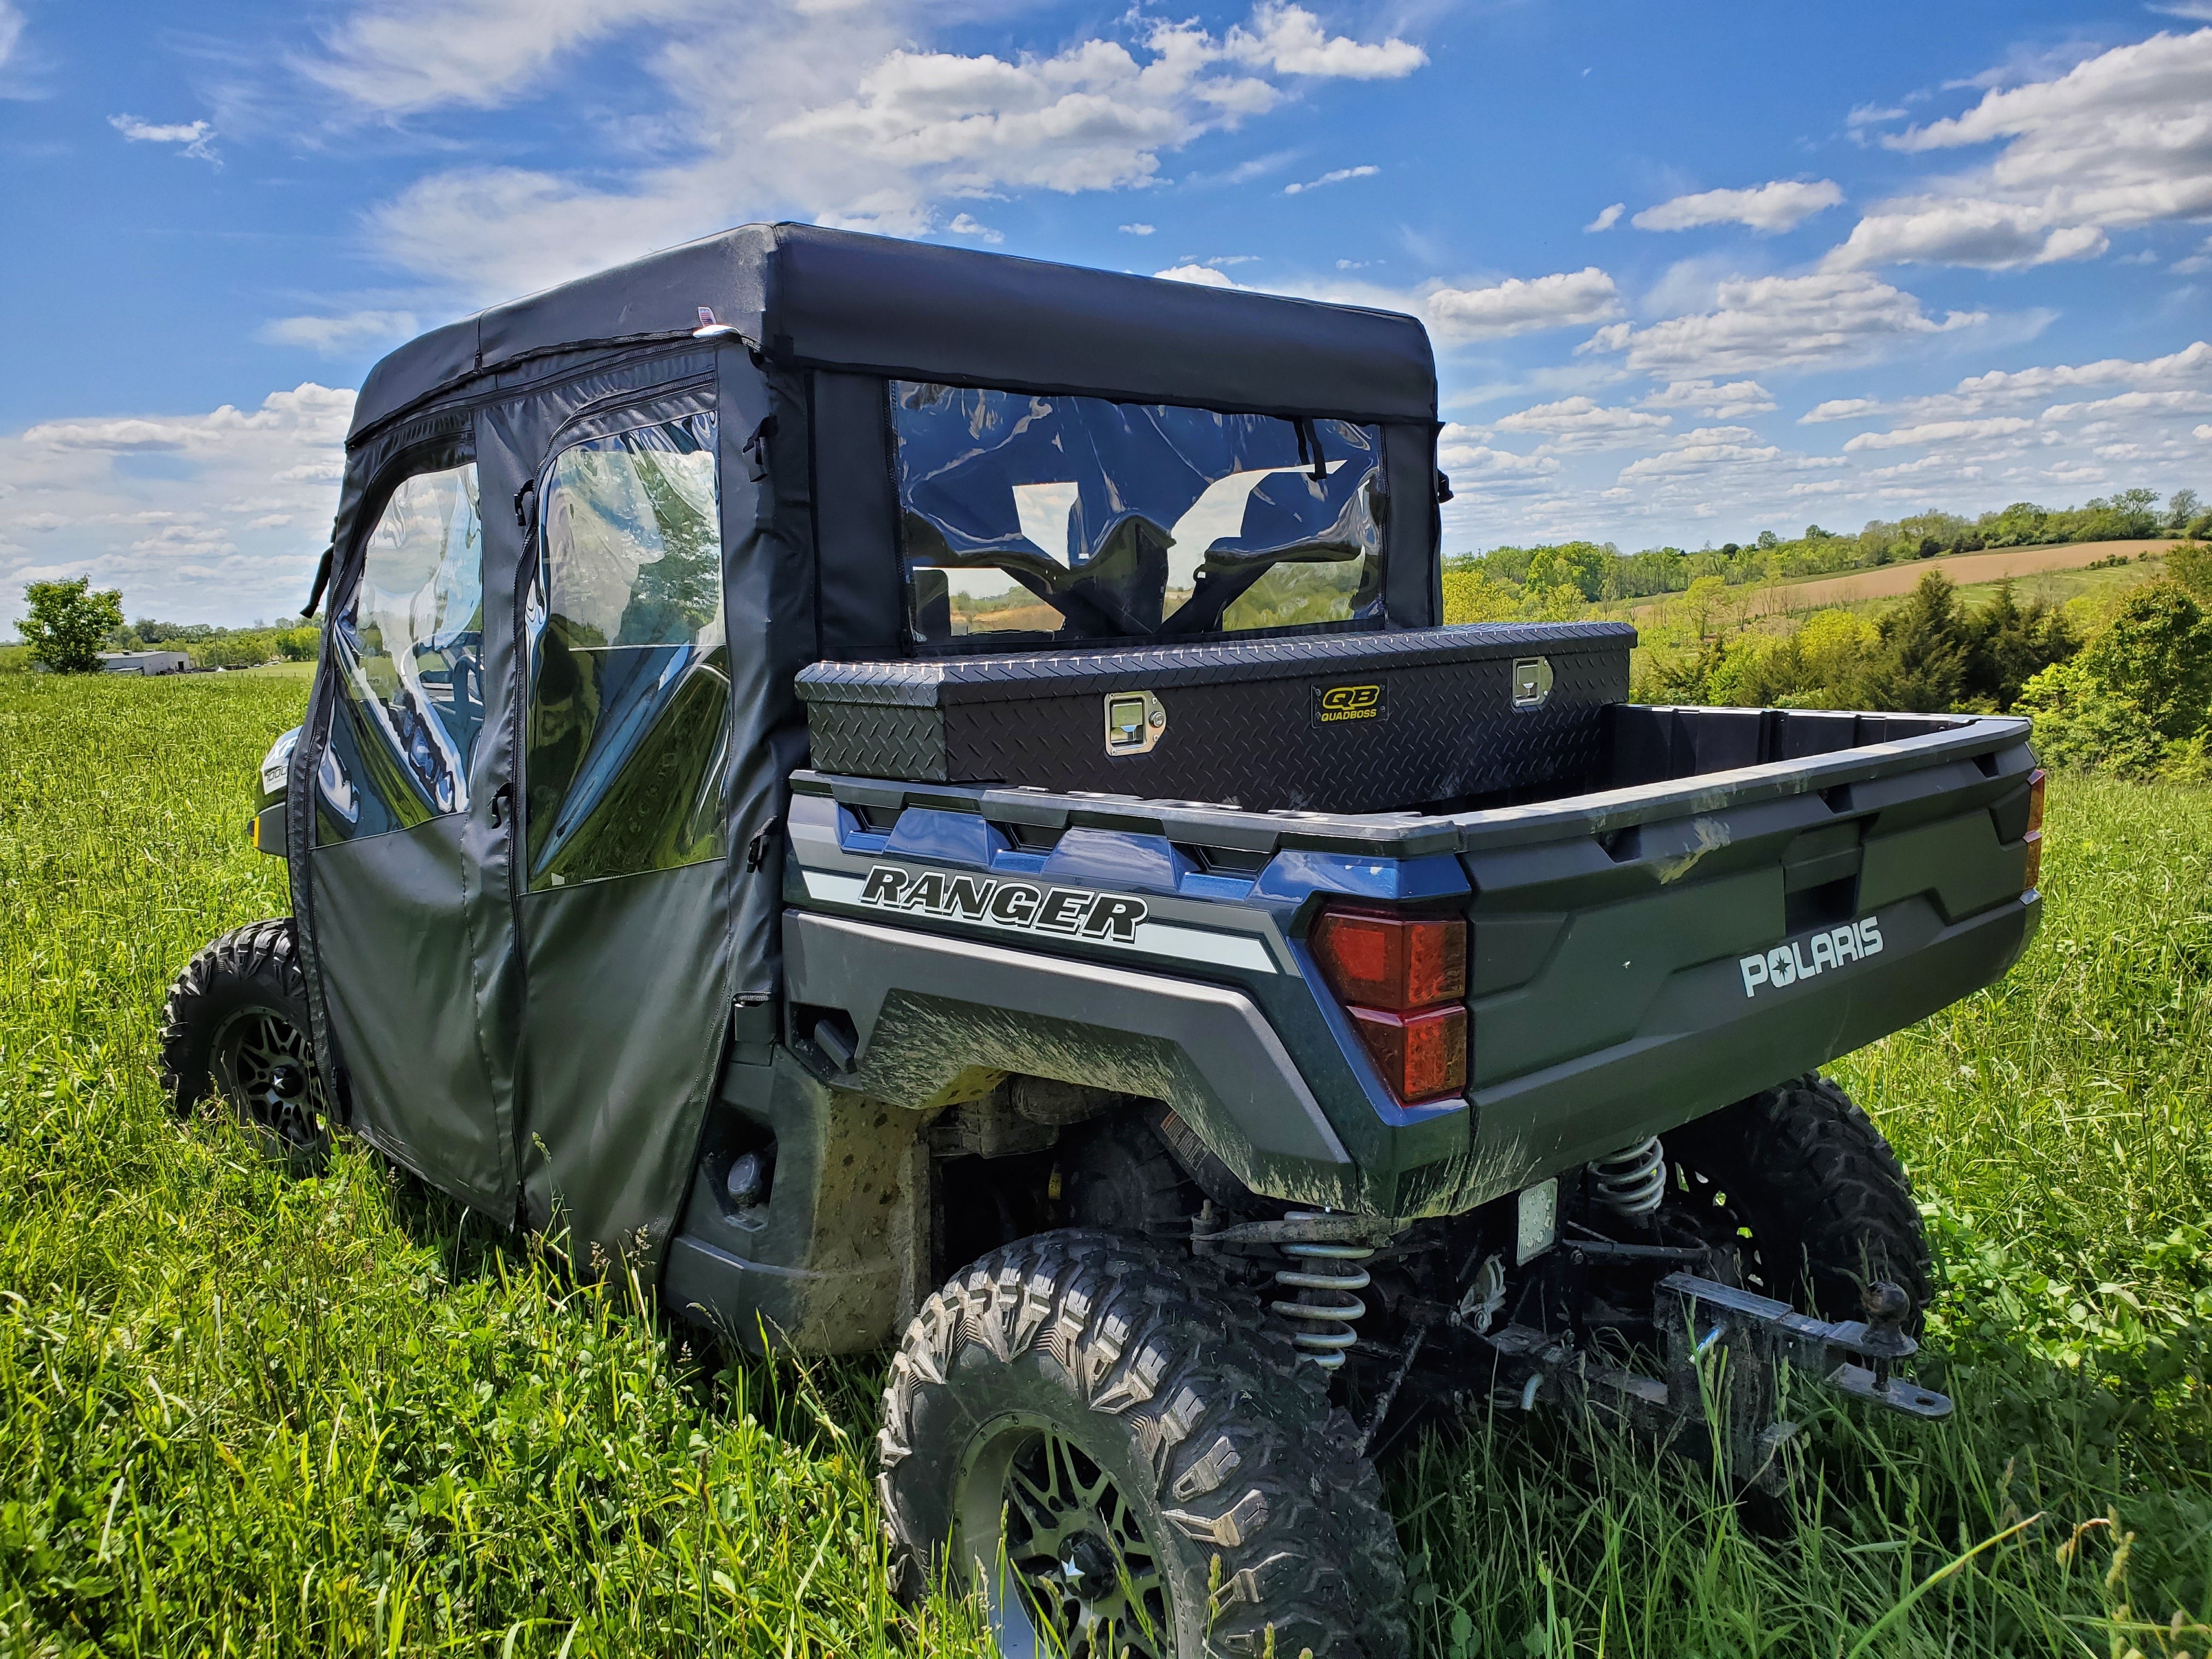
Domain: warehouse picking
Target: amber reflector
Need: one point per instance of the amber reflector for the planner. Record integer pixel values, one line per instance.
(1380, 960)
(2035, 782)
(1421, 1056)
(2034, 876)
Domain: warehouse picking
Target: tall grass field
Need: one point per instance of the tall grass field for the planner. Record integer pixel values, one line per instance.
(246, 1414)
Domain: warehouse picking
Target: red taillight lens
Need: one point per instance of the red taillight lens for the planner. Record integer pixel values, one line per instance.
(1421, 1056)
(1377, 960)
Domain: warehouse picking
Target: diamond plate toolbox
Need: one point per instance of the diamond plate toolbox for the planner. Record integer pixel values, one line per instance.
(1336, 723)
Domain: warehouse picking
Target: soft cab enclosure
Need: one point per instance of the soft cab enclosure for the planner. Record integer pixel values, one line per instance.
(588, 540)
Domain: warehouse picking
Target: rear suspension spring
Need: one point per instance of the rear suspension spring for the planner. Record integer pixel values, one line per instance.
(1325, 1308)
(1632, 1182)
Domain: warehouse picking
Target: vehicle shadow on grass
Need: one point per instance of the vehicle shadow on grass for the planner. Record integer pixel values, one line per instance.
(814, 1405)
(2056, 1511)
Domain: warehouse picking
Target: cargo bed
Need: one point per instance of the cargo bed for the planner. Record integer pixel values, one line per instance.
(1613, 932)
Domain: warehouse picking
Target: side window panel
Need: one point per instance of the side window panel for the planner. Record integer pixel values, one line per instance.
(409, 656)
(630, 691)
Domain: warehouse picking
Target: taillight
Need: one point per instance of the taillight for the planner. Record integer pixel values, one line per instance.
(2034, 877)
(1379, 960)
(1401, 979)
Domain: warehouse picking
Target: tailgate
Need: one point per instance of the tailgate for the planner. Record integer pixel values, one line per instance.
(1642, 959)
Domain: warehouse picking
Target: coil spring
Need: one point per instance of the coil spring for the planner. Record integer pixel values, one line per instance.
(1632, 1182)
(1325, 1276)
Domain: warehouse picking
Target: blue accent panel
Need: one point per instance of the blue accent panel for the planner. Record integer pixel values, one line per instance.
(1017, 862)
(1107, 858)
(1294, 874)
(1197, 885)
(856, 837)
(924, 832)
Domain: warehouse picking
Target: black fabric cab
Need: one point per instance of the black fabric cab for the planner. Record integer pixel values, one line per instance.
(585, 543)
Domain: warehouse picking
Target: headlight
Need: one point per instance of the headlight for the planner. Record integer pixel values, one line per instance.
(277, 762)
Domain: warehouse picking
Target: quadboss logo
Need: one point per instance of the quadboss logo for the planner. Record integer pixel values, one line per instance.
(1802, 958)
(1021, 905)
(1347, 702)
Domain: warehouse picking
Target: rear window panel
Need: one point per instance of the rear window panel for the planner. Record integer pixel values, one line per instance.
(1030, 519)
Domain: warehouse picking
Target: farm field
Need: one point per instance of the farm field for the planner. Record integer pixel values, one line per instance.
(241, 1415)
(2031, 569)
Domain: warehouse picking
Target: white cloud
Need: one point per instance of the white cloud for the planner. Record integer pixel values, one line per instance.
(1607, 217)
(1476, 466)
(11, 30)
(2002, 389)
(2121, 139)
(1580, 424)
(1702, 451)
(843, 117)
(230, 528)
(1522, 306)
(1771, 322)
(1335, 178)
(404, 57)
(1867, 115)
(2134, 403)
(1288, 40)
(1840, 409)
(1203, 275)
(1964, 231)
(1940, 432)
(335, 336)
(966, 224)
(2201, 432)
(1770, 207)
(1715, 401)
(197, 137)
(1136, 230)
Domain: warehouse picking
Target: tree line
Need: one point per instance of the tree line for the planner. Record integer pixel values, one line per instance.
(69, 624)
(1596, 572)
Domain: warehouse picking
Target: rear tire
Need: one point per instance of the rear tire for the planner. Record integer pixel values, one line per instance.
(1828, 1206)
(1172, 1478)
(236, 1026)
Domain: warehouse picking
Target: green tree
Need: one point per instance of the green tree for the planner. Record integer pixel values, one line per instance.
(69, 622)
(2157, 652)
(1923, 665)
(2008, 644)
(2190, 564)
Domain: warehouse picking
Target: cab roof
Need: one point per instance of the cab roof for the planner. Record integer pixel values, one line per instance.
(806, 296)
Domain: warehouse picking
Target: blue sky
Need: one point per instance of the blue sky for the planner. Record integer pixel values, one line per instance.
(1692, 271)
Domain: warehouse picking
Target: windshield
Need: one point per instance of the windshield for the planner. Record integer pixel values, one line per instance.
(1049, 518)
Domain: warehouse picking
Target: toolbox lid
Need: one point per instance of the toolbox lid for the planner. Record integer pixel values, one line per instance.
(940, 682)
(803, 295)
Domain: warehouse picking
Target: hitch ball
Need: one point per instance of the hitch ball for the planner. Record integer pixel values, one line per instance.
(1885, 1304)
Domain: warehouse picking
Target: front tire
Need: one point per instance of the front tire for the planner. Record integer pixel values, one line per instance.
(1123, 1460)
(235, 1026)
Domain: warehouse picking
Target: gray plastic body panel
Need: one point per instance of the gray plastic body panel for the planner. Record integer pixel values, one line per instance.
(928, 1007)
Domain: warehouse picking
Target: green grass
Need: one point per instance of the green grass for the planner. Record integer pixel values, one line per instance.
(245, 1415)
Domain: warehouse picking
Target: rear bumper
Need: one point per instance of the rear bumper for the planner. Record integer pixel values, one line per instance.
(1706, 1040)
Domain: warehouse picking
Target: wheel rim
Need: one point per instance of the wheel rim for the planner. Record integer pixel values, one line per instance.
(1720, 1221)
(265, 1068)
(1065, 1563)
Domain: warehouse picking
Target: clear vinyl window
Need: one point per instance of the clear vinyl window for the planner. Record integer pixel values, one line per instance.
(628, 710)
(408, 649)
(1051, 518)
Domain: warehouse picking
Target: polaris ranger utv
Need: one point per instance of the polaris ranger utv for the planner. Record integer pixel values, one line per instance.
(921, 799)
